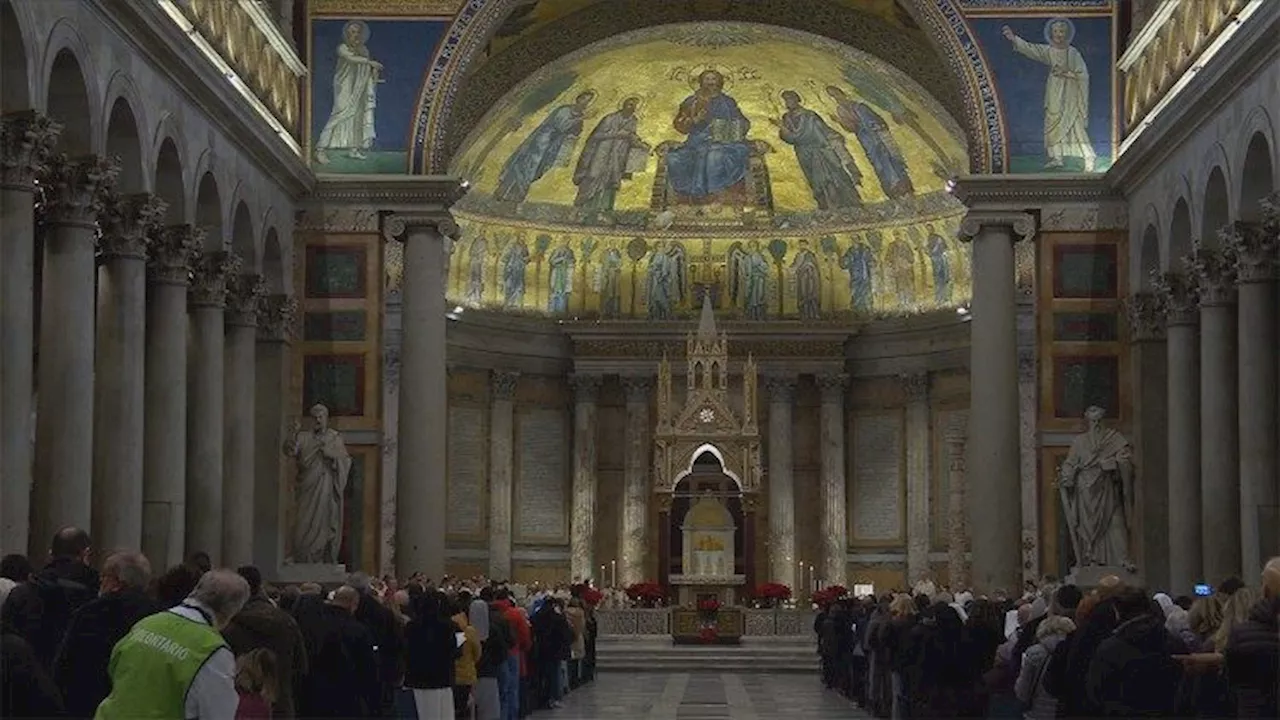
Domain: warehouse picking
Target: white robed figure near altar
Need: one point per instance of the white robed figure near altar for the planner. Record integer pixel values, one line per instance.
(1066, 93)
(323, 468)
(355, 97)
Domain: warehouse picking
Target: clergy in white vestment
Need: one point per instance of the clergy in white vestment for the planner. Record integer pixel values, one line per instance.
(1066, 93)
(355, 82)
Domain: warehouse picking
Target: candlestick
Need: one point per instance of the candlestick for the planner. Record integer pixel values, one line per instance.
(613, 565)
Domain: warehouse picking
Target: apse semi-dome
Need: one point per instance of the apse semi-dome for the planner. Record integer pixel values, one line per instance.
(788, 176)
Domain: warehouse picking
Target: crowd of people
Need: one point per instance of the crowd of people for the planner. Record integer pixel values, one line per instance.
(218, 644)
(1058, 652)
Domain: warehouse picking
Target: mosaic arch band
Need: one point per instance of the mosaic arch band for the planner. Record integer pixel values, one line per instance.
(1066, 94)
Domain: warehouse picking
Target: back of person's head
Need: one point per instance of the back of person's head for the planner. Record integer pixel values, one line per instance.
(200, 562)
(6, 586)
(1109, 586)
(1205, 616)
(1236, 611)
(128, 570)
(1271, 579)
(346, 597)
(1230, 586)
(16, 567)
(486, 594)
(1055, 625)
(310, 588)
(903, 606)
(223, 593)
(257, 674)
(1131, 603)
(503, 593)
(253, 576)
(985, 614)
(359, 581)
(289, 597)
(175, 585)
(1184, 601)
(70, 543)
(1066, 599)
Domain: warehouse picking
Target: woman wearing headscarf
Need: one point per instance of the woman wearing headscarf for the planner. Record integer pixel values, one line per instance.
(495, 643)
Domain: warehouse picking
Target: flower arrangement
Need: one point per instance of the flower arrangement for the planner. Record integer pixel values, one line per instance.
(771, 595)
(708, 634)
(645, 594)
(592, 597)
(709, 605)
(828, 595)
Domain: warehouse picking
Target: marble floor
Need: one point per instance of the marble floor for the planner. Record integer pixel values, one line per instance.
(703, 696)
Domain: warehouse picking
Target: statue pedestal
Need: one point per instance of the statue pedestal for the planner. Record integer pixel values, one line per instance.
(1088, 577)
(294, 573)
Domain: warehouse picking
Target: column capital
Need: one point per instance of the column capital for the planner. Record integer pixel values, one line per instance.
(502, 384)
(832, 386)
(586, 388)
(637, 388)
(1215, 273)
(276, 317)
(781, 387)
(1270, 206)
(397, 225)
(915, 385)
(172, 251)
(27, 139)
(244, 291)
(1179, 297)
(1022, 224)
(1253, 251)
(1145, 312)
(209, 276)
(73, 188)
(129, 224)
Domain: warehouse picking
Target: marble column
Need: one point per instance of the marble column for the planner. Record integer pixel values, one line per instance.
(833, 494)
(916, 387)
(502, 393)
(1219, 424)
(164, 463)
(993, 445)
(276, 315)
(1179, 297)
(1150, 381)
(63, 490)
(1254, 251)
(206, 369)
(582, 542)
(782, 490)
(421, 481)
(238, 406)
(633, 542)
(129, 224)
(957, 513)
(26, 140)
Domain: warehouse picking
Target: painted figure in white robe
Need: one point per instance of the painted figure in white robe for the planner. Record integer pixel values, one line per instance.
(323, 469)
(603, 165)
(1096, 482)
(355, 97)
(1066, 93)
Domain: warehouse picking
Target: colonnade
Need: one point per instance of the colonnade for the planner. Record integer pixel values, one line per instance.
(136, 440)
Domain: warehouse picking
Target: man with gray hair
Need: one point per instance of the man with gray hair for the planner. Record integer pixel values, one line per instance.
(175, 664)
(80, 665)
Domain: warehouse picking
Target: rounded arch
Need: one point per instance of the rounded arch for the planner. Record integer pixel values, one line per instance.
(1179, 234)
(1257, 179)
(15, 59)
(1215, 207)
(272, 262)
(467, 38)
(170, 183)
(71, 94)
(209, 212)
(120, 89)
(1149, 257)
(242, 237)
(124, 142)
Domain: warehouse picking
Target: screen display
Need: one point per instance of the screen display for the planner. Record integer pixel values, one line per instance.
(1203, 590)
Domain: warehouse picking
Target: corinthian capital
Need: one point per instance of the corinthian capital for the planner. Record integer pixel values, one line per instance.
(503, 384)
(243, 295)
(1253, 249)
(172, 251)
(586, 388)
(1179, 297)
(637, 388)
(1215, 272)
(129, 223)
(1271, 215)
(832, 386)
(276, 317)
(210, 274)
(74, 188)
(782, 388)
(26, 142)
(915, 385)
(1146, 316)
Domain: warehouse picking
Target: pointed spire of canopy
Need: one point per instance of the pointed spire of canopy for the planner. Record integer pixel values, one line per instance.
(707, 323)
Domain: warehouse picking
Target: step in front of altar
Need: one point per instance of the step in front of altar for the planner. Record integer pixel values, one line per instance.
(655, 653)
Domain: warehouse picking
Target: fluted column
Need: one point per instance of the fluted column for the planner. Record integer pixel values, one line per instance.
(633, 543)
(63, 491)
(1219, 424)
(1179, 299)
(833, 496)
(164, 471)
(128, 227)
(421, 482)
(582, 542)
(782, 490)
(993, 447)
(206, 367)
(26, 140)
(271, 376)
(502, 393)
(957, 513)
(918, 476)
(1254, 251)
(243, 295)
(1150, 382)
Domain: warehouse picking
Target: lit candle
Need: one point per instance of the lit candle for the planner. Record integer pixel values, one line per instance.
(602, 575)
(613, 570)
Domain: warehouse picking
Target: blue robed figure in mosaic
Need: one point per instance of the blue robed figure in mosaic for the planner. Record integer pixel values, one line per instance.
(713, 159)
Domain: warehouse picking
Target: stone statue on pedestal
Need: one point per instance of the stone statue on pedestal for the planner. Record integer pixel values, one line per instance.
(323, 468)
(1096, 482)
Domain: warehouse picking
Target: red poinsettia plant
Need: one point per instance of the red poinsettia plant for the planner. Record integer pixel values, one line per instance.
(647, 594)
(828, 595)
(592, 597)
(772, 594)
(708, 634)
(709, 605)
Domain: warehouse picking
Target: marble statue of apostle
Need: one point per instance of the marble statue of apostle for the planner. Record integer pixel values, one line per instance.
(1096, 481)
(323, 468)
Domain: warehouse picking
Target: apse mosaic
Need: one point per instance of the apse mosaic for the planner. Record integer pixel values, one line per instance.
(785, 175)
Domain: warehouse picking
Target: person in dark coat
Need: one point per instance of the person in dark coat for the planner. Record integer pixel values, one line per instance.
(1252, 656)
(388, 638)
(430, 651)
(259, 624)
(1069, 666)
(26, 690)
(16, 567)
(342, 676)
(40, 610)
(80, 665)
(1133, 674)
(553, 639)
(939, 676)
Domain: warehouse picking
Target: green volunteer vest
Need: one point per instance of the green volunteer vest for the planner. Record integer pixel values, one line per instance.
(153, 666)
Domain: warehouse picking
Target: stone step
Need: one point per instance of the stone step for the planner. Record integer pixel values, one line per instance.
(755, 655)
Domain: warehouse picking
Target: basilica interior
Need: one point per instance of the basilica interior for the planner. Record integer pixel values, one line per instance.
(701, 293)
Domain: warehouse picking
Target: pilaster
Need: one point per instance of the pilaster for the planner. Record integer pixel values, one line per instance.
(586, 392)
(916, 388)
(502, 392)
(834, 494)
(633, 543)
(781, 482)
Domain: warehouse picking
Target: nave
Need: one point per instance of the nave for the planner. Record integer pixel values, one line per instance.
(705, 696)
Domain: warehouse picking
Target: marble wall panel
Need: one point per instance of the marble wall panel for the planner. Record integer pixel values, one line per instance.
(467, 468)
(945, 422)
(542, 474)
(877, 488)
